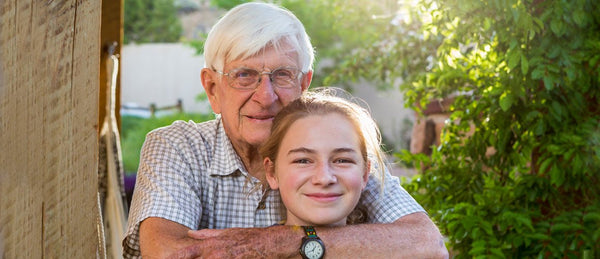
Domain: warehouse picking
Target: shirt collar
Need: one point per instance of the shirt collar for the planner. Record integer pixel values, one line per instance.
(226, 161)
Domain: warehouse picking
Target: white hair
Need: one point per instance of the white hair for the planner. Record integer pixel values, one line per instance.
(251, 27)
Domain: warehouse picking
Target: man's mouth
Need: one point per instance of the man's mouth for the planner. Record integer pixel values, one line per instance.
(261, 117)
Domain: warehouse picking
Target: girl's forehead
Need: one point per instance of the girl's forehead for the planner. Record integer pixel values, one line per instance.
(312, 124)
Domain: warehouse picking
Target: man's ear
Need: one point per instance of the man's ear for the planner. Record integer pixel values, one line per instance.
(209, 81)
(306, 79)
(270, 173)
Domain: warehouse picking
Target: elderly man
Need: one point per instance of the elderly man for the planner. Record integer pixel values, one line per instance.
(201, 189)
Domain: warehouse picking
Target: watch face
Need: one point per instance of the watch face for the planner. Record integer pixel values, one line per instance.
(313, 249)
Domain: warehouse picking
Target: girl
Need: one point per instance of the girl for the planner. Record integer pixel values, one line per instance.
(319, 158)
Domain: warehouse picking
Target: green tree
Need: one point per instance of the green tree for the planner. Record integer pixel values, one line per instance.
(339, 28)
(518, 168)
(151, 21)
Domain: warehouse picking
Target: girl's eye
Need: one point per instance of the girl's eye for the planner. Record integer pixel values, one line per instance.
(343, 160)
(301, 161)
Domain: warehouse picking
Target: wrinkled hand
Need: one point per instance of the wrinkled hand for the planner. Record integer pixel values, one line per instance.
(226, 243)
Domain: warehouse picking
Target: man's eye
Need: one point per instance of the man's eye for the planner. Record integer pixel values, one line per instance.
(245, 74)
(283, 73)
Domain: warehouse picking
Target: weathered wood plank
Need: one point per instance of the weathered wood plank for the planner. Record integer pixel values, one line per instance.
(49, 87)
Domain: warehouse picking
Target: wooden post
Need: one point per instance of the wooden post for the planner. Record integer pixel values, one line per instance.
(49, 70)
(153, 110)
(179, 105)
(112, 31)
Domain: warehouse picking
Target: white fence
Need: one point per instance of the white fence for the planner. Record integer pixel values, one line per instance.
(161, 74)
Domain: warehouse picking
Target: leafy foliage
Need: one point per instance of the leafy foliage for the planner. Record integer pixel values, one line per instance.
(342, 27)
(134, 130)
(518, 168)
(151, 21)
(398, 51)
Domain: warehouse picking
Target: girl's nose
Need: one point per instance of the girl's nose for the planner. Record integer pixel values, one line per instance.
(324, 175)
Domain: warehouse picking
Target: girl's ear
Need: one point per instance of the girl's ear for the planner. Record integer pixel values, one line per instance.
(270, 173)
(366, 174)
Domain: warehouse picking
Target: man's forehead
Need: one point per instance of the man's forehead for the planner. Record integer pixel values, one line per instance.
(281, 48)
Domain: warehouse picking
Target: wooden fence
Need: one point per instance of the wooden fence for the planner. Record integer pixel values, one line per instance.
(153, 109)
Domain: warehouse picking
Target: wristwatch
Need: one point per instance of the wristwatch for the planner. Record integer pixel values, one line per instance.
(312, 247)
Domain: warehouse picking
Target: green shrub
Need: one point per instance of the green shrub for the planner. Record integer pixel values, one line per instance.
(517, 173)
(134, 130)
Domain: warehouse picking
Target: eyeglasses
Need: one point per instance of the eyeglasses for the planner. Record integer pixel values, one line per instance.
(249, 79)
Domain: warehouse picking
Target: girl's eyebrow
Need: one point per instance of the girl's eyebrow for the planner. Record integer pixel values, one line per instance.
(312, 151)
(344, 150)
(302, 150)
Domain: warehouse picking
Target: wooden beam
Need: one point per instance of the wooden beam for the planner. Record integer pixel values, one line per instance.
(49, 60)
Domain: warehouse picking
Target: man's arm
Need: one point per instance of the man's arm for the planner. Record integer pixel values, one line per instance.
(160, 237)
(412, 236)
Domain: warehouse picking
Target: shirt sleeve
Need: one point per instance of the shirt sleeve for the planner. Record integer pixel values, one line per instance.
(388, 202)
(165, 188)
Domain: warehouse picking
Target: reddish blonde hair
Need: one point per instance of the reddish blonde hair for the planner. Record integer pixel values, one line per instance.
(322, 102)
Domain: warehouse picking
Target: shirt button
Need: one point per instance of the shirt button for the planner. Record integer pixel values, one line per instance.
(261, 205)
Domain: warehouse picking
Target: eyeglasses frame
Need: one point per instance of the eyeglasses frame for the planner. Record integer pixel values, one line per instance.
(260, 74)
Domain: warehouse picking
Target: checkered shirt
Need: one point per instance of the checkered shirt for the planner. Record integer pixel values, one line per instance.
(189, 173)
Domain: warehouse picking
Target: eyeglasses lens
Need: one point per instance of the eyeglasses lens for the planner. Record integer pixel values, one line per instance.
(246, 78)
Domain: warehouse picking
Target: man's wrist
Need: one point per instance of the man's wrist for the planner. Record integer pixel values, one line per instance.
(312, 246)
(283, 241)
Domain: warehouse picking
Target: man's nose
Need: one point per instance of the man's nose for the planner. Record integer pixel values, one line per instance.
(324, 175)
(265, 91)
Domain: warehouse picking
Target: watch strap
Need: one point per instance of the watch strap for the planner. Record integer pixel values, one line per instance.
(311, 236)
(310, 231)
